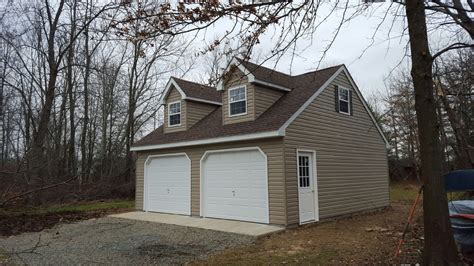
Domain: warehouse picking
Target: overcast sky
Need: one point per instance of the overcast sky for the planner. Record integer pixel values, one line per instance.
(370, 69)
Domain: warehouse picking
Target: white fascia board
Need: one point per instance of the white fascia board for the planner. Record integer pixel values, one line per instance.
(252, 136)
(323, 87)
(168, 88)
(272, 85)
(201, 100)
(251, 77)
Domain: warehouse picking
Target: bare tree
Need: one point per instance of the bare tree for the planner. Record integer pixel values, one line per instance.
(301, 19)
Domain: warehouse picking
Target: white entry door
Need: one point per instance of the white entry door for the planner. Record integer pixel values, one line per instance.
(234, 185)
(168, 184)
(307, 190)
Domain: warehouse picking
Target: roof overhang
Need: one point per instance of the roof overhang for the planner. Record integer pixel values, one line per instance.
(261, 135)
(251, 77)
(172, 83)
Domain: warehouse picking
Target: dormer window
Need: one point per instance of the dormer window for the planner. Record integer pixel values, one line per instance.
(174, 114)
(344, 101)
(238, 101)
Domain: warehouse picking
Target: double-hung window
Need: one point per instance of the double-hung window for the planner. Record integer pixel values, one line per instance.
(344, 101)
(238, 101)
(174, 114)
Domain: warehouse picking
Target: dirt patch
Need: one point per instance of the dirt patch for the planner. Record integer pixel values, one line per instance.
(368, 239)
(17, 224)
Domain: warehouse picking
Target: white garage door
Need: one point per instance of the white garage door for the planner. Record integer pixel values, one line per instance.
(168, 184)
(235, 186)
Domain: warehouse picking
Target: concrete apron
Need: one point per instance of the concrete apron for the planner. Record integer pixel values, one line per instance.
(237, 227)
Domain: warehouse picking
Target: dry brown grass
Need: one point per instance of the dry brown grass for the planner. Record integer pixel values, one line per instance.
(365, 238)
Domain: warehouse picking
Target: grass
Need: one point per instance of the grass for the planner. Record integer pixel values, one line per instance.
(3, 255)
(74, 207)
(403, 191)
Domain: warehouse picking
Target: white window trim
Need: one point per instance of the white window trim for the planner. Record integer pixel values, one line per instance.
(169, 114)
(245, 99)
(348, 101)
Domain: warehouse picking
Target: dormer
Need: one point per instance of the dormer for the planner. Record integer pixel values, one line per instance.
(248, 90)
(185, 103)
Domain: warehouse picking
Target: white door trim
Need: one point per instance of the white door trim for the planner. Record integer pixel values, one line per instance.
(145, 179)
(201, 175)
(315, 183)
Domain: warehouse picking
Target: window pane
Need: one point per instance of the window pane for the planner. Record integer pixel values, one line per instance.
(344, 94)
(175, 119)
(238, 108)
(237, 94)
(303, 171)
(175, 108)
(344, 106)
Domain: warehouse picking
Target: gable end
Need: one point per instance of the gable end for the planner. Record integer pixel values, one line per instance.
(327, 84)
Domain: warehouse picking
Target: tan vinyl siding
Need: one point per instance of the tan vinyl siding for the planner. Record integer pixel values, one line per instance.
(235, 79)
(351, 160)
(264, 98)
(174, 96)
(273, 148)
(196, 111)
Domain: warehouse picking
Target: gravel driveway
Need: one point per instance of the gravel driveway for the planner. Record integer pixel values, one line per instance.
(117, 241)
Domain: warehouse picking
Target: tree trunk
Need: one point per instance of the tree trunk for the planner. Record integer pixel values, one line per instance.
(130, 130)
(463, 160)
(72, 103)
(439, 247)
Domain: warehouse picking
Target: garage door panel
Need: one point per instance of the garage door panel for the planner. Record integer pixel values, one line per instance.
(235, 186)
(168, 184)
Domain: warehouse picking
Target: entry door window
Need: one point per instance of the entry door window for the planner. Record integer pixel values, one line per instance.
(304, 171)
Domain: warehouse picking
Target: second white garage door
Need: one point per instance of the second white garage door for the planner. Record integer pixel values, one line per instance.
(234, 185)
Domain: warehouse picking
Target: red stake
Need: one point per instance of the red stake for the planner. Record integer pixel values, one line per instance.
(410, 217)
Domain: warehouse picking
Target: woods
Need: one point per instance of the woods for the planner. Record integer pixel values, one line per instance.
(74, 95)
(454, 110)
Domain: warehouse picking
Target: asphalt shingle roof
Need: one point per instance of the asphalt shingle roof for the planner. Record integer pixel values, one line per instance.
(303, 87)
(267, 74)
(199, 91)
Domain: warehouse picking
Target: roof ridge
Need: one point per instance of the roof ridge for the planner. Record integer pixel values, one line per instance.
(259, 65)
(283, 73)
(318, 70)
